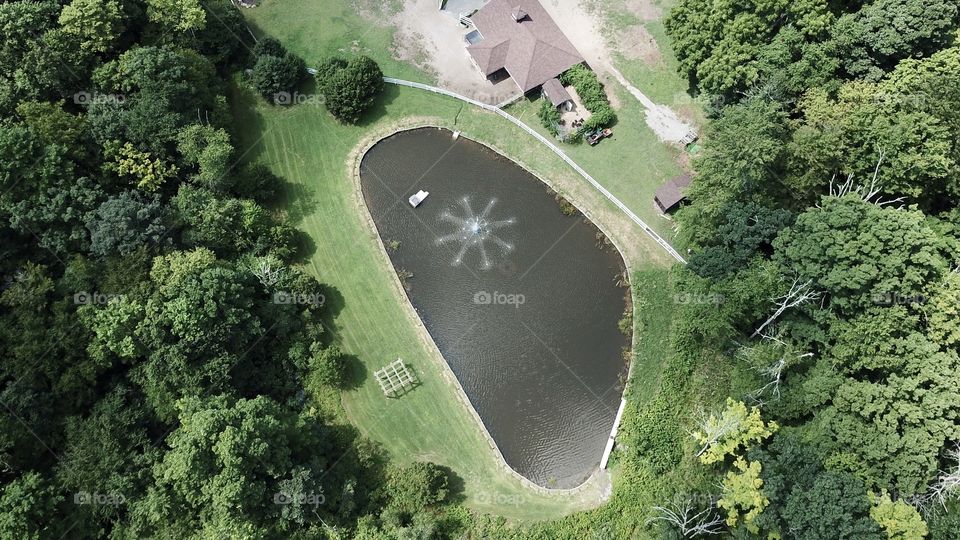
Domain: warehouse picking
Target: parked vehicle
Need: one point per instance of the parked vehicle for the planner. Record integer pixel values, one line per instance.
(595, 137)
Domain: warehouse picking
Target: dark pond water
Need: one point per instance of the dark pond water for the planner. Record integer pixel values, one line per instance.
(521, 300)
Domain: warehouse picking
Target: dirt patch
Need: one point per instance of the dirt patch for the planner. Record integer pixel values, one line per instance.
(645, 10)
(637, 43)
(433, 42)
(414, 48)
(354, 48)
(377, 10)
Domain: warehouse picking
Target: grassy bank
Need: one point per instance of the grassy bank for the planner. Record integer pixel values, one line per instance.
(304, 145)
(307, 148)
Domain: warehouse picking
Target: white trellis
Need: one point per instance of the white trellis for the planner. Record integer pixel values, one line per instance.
(395, 378)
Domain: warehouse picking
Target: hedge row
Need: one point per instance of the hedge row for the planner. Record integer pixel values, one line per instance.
(591, 95)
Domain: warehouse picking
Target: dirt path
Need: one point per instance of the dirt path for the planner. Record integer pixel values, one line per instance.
(585, 33)
(433, 41)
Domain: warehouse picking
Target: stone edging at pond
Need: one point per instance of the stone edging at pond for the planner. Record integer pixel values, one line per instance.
(599, 478)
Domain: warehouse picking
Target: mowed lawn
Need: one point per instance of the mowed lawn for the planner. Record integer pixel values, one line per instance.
(632, 165)
(373, 322)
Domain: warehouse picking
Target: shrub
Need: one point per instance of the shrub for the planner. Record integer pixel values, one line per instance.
(417, 486)
(328, 367)
(349, 88)
(654, 433)
(549, 117)
(591, 95)
(273, 75)
(269, 47)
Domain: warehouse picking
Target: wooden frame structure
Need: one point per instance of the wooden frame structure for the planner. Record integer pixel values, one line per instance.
(395, 379)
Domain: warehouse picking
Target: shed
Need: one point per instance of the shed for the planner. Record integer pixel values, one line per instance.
(557, 94)
(669, 195)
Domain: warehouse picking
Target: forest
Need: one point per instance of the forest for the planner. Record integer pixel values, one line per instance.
(158, 339)
(824, 213)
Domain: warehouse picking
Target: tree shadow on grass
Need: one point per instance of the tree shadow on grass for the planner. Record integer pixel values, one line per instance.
(304, 247)
(354, 373)
(456, 486)
(248, 127)
(389, 93)
(297, 200)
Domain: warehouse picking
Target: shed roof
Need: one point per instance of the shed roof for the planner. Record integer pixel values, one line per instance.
(555, 92)
(670, 194)
(532, 48)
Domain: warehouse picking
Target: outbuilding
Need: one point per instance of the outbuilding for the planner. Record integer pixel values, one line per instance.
(671, 194)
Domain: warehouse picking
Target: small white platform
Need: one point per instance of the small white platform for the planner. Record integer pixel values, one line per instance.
(418, 198)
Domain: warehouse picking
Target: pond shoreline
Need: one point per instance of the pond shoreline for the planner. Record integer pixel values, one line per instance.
(599, 479)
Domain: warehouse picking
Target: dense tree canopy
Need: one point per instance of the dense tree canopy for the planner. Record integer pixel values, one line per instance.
(154, 382)
(828, 179)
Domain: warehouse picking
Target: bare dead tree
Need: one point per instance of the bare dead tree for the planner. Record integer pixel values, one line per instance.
(799, 293)
(868, 193)
(268, 274)
(712, 431)
(688, 519)
(945, 487)
(771, 372)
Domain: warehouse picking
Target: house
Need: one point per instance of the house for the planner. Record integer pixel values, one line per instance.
(669, 195)
(519, 38)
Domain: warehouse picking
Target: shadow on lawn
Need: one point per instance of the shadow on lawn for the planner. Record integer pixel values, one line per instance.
(389, 93)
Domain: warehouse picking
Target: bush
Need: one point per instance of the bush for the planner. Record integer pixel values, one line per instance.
(549, 117)
(349, 88)
(273, 75)
(654, 433)
(591, 95)
(328, 367)
(269, 47)
(417, 486)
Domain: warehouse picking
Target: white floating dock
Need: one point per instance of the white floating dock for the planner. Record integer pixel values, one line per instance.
(418, 198)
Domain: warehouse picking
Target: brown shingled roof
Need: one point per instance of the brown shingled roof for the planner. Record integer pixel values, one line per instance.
(533, 50)
(670, 194)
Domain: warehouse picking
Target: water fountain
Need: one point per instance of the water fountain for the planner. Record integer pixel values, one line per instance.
(474, 231)
(543, 374)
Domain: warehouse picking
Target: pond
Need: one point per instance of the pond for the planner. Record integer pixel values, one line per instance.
(522, 300)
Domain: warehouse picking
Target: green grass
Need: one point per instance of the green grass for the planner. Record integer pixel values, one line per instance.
(318, 29)
(373, 319)
(632, 164)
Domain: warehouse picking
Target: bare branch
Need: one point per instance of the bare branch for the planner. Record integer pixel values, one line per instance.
(713, 428)
(866, 193)
(798, 294)
(945, 487)
(683, 514)
(266, 273)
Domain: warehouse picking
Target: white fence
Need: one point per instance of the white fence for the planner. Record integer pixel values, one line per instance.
(606, 193)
